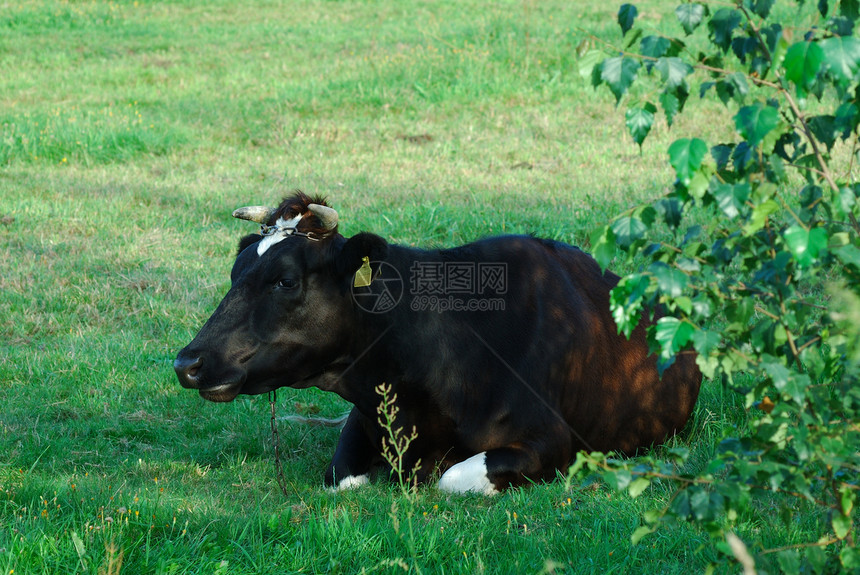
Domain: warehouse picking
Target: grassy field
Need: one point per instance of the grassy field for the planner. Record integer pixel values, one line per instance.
(129, 131)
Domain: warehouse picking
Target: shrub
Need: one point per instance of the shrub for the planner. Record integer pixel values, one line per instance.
(767, 284)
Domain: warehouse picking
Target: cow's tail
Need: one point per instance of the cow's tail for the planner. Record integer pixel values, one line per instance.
(320, 421)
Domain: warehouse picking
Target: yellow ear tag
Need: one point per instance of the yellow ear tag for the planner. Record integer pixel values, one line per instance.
(364, 275)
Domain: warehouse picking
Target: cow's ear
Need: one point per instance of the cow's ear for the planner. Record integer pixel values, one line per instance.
(358, 247)
(248, 240)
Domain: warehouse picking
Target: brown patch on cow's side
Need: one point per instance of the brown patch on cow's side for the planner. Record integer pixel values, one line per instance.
(292, 206)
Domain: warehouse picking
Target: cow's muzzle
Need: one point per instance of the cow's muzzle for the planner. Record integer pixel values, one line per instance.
(187, 370)
(228, 384)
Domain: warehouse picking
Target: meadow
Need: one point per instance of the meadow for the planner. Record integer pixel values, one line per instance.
(130, 130)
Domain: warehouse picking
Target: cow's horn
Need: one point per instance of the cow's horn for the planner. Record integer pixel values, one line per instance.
(259, 214)
(327, 215)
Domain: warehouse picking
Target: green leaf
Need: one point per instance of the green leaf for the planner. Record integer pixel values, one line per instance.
(708, 365)
(722, 155)
(840, 26)
(838, 239)
(618, 479)
(841, 57)
(732, 198)
(850, 558)
(721, 26)
(739, 82)
(596, 74)
(740, 310)
(671, 281)
(686, 157)
(672, 334)
(762, 7)
(850, 9)
(625, 302)
(671, 106)
(678, 455)
(786, 381)
(734, 86)
(846, 119)
(700, 503)
(760, 215)
(841, 525)
(698, 185)
(705, 341)
(579, 464)
(673, 71)
(589, 61)
(647, 214)
(639, 121)
(654, 47)
(633, 38)
(817, 559)
(626, 16)
(846, 500)
(637, 486)
(789, 561)
(671, 210)
(627, 230)
(603, 246)
(824, 129)
(777, 372)
(805, 245)
(849, 256)
(755, 122)
(802, 63)
(640, 532)
(690, 16)
(619, 73)
(683, 303)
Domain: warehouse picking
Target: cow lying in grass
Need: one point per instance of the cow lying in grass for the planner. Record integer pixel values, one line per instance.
(502, 354)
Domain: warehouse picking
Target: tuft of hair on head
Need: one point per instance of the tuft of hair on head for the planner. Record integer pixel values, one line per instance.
(297, 204)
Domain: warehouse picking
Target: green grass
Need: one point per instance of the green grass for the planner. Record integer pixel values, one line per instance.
(129, 131)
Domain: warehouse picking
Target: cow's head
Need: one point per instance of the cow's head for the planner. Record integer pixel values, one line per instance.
(286, 319)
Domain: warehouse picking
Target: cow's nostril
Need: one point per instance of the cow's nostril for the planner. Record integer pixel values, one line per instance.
(187, 370)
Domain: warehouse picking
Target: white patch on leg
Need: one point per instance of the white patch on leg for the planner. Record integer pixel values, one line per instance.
(280, 235)
(469, 476)
(352, 482)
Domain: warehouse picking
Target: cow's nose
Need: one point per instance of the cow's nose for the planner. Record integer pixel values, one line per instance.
(187, 370)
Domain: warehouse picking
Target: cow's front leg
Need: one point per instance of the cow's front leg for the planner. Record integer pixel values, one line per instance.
(495, 470)
(356, 454)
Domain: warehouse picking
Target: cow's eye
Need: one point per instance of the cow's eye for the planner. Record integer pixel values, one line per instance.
(287, 283)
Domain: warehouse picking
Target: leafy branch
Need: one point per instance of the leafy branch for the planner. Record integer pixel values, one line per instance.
(748, 290)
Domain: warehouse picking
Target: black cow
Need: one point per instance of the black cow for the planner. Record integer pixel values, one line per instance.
(502, 353)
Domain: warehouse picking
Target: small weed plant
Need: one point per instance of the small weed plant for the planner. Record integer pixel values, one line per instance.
(395, 445)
